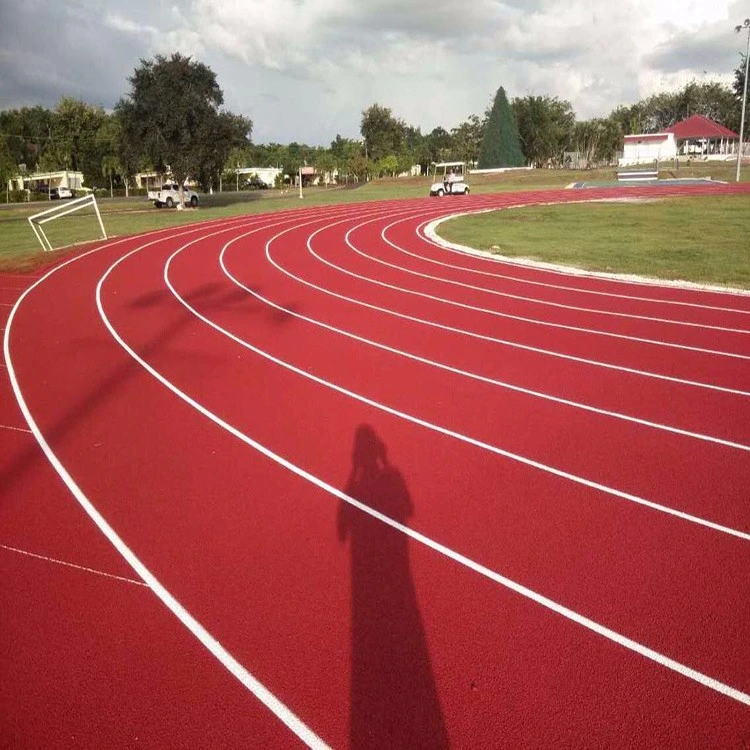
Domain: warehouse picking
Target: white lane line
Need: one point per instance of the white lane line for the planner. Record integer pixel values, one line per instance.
(195, 627)
(6, 304)
(15, 429)
(73, 565)
(667, 321)
(438, 428)
(508, 583)
(473, 375)
(426, 231)
(532, 321)
(496, 340)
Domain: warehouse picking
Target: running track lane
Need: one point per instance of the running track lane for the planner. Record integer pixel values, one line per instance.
(610, 312)
(462, 306)
(438, 626)
(513, 428)
(491, 353)
(75, 670)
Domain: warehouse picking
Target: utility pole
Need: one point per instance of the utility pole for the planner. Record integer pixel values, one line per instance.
(745, 25)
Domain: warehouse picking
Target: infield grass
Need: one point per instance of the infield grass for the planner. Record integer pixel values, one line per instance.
(703, 239)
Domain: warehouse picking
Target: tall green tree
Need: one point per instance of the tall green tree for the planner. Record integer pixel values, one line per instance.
(172, 116)
(500, 145)
(383, 134)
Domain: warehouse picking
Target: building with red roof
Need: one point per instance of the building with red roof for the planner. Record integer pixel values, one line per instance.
(697, 127)
(700, 136)
(697, 136)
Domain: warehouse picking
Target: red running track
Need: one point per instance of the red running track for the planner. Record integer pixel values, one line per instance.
(351, 488)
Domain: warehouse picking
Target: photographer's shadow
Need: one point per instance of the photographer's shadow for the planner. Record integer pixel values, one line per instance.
(394, 700)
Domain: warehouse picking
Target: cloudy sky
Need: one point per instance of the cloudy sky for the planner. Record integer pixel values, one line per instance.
(303, 70)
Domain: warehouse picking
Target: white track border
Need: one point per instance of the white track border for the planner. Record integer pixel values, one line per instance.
(430, 231)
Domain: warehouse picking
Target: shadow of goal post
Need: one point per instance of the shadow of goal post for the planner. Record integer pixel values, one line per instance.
(37, 220)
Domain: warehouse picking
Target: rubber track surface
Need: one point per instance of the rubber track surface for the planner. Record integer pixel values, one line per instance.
(417, 498)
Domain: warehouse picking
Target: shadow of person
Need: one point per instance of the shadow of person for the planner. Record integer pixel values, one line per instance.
(393, 700)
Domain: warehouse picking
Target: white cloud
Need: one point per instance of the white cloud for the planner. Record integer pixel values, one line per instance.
(305, 69)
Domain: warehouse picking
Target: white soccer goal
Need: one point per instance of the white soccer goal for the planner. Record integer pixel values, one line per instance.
(37, 220)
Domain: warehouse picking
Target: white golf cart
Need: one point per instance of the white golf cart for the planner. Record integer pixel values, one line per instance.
(449, 178)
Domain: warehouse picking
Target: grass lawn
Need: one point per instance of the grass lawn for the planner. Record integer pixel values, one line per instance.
(20, 251)
(704, 239)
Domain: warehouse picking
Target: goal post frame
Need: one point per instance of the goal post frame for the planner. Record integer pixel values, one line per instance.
(59, 211)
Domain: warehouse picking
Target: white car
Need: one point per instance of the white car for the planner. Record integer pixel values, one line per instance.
(60, 192)
(169, 196)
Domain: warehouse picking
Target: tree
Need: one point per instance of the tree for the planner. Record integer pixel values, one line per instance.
(545, 127)
(597, 141)
(383, 134)
(660, 111)
(172, 117)
(467, 139)
(359, 166)
(500, 145)
(325, 164)
(108, 147)
(389, 165)
(8, 166)
(439, 144)
(344, 150)
(415, 151)
(739, 79)
(73, 141)
(27, 130)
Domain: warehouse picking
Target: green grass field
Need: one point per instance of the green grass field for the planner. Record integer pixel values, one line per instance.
(20, 251)
(703, 239)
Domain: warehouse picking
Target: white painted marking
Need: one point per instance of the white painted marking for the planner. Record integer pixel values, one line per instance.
(533, 321)
(431, 237)
(429, 425)
(518, 588)
(453, 246)
(495, 340)
(72, 565)
(209, 642)
(473, 375)
(15, 429)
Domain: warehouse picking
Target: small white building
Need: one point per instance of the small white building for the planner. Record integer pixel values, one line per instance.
(646, 148)
(43, 181)
(266, 175)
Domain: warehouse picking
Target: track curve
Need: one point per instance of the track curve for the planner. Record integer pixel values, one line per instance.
(413, 497)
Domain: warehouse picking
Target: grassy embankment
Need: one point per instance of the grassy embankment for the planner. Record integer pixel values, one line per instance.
(19, 250)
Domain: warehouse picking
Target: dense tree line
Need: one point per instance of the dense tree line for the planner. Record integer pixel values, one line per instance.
(172, 116)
